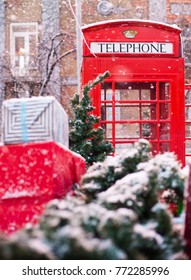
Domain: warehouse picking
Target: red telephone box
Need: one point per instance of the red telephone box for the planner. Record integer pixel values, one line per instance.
(144, 95)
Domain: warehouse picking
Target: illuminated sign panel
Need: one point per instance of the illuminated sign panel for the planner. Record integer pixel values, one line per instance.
(132, 47)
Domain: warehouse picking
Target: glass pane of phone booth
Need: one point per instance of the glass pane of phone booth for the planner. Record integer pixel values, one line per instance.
(134, 110)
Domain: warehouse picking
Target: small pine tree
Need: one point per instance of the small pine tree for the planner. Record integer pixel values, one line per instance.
(86, 139)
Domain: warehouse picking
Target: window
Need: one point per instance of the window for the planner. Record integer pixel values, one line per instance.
(107, 108)
(134, 110)
(23, 43)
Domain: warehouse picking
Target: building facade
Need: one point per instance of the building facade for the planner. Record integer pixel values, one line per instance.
(38, 53)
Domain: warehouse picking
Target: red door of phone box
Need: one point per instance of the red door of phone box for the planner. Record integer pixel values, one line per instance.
(31, 175)
(144, 95)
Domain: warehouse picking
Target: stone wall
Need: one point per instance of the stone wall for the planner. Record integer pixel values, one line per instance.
(157, 10)
(179, 12)
(50, 28)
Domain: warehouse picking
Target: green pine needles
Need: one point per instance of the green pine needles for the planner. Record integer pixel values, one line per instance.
(115, 214)
(86, 136)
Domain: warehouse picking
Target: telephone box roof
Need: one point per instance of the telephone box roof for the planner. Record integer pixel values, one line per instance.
(131, 22)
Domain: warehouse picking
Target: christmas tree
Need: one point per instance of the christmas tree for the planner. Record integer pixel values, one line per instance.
(86, 136)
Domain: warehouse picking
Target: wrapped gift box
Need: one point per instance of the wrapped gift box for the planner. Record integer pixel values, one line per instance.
(34, 119)
(30, 176)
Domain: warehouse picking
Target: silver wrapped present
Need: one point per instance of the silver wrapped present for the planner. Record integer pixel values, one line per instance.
(34, 119)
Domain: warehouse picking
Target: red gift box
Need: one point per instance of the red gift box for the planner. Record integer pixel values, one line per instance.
(31, 175)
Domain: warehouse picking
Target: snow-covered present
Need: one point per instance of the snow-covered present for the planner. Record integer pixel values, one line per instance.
(31, 175)
(34, 119)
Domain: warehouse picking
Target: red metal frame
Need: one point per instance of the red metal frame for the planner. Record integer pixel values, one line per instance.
(141, 70)
(188, 120)
(157, 118)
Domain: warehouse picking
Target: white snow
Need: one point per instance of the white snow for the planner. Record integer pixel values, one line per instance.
(148, 233)
(17, 194)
